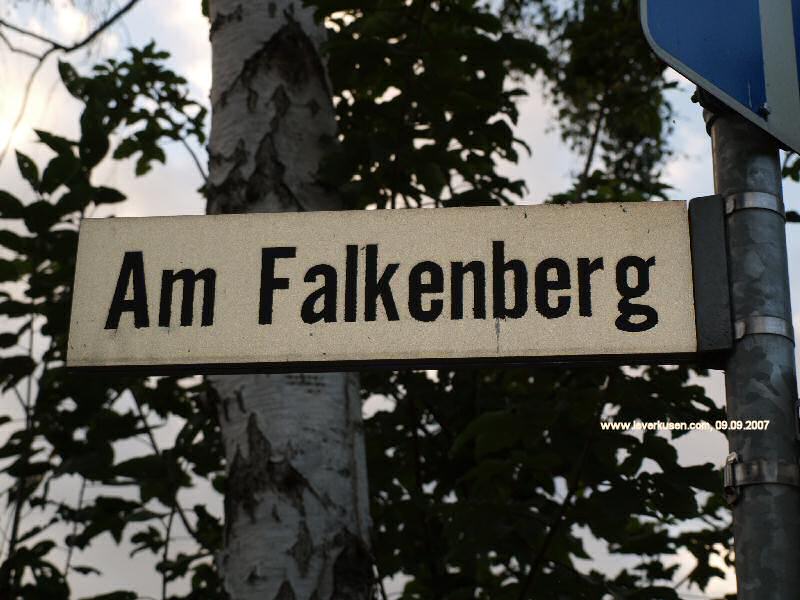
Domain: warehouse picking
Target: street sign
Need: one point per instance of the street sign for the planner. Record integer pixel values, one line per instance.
(335, 290)
(743, 52)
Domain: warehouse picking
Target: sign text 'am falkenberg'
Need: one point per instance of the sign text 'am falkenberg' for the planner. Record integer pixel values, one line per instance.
(321, 290)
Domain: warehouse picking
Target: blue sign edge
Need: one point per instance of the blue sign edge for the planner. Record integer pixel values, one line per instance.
(701, 81)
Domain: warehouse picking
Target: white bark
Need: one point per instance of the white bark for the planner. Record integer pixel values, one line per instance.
(296, 510)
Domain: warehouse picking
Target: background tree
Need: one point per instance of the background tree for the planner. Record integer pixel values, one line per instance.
(483, 483)
(72, 426)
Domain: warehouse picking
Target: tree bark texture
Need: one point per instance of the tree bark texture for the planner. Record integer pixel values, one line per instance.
(296, 507)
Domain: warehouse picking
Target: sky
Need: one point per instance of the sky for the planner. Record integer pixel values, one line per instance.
(179, 27)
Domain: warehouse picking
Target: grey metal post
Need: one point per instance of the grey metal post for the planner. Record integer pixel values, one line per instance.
(760, 373)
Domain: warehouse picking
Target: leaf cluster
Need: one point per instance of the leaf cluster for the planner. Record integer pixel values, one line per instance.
(425, 107)
(73, 429)
(608, 89)
(490, 483)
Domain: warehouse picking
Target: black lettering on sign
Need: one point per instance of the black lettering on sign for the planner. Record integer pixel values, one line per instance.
(188, 278)
(132, 270)
(270, 283)
(457, 272)
(627, 309)
(351, 284)
(326, 293)
(585, 270)
(417, 287)
(375, 287)
(544, 285)
(520, 278)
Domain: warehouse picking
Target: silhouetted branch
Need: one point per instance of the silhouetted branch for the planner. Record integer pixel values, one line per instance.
(55, 46)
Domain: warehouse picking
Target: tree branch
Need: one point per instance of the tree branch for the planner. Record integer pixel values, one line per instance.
(167, 537)
(413, 417)
(583, 180)
(16, 50)
(192, 153)
(75, 528)
(88, 39)
(41, 58)
(24, 105)
(572, 488)
(157, 450)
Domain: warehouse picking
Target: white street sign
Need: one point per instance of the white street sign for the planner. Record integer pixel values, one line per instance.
(422, 287)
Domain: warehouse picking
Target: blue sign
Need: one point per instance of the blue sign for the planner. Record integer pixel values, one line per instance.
(743, 52)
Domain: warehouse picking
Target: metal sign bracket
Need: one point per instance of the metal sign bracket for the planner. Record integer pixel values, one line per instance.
(765, 325)
(748, 200)
(738, 474)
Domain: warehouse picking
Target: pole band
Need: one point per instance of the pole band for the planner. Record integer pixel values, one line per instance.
(763, 325)
(738, 474)
(746, 200)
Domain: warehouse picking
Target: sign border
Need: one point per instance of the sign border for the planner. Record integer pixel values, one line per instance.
(357, 365)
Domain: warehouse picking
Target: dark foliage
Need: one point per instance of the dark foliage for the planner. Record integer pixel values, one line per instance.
(485, 483)
(71, 425)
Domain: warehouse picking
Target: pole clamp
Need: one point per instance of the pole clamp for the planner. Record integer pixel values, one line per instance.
(763, 325)
(746, 200)
(738, 474)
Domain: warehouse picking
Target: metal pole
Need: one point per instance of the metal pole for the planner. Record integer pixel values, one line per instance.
(760, 382)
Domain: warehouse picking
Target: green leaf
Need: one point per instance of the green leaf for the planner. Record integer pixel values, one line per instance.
(41, 216)
(11, 270)
(94, 143)
(28, 170)
(7, 340)
(59, 171)
(84, 570)
(15, 368)
(15, 243)
(115, 596)
(14, 309)
(106, 195)
(56, 143)
(73, 82)
(10, 206)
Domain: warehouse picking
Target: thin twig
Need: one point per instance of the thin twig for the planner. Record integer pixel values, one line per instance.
(572, 490)
(382, 590)
(30, 34)
(166, 554)
(54, 46)
(25, 455)
(75, 526)
(199, 166)
(29, 389)
(157, 450)
(24, 105)
(583, 180)
(16, 50)
(418, 479)
(19, 397)
(786, 158)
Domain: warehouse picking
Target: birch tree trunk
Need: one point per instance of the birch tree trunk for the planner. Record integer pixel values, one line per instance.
(296, 508)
